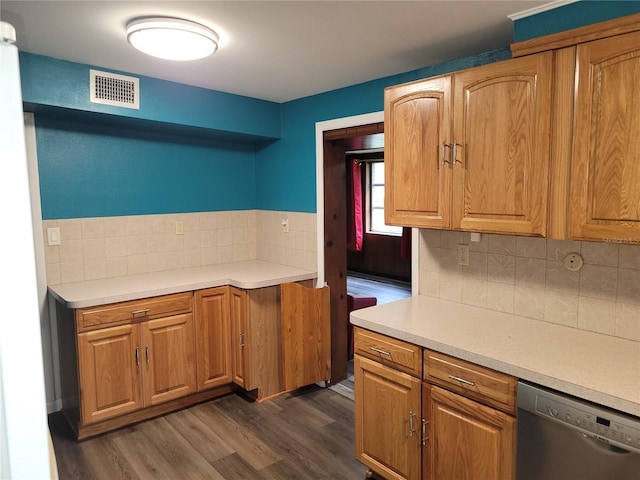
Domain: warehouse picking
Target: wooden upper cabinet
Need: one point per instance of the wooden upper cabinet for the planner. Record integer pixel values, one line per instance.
(471, 151)
(417, 125)
(502, 123)
(605, 164)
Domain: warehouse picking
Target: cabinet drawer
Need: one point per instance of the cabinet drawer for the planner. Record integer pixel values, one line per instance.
(473, 381)
(389, 351)
(135, 310)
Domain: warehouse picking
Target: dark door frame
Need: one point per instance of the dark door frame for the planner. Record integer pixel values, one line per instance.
(332, 226)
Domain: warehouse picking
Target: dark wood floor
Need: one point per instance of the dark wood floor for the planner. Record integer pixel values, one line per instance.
(385, 290)
(306, 435)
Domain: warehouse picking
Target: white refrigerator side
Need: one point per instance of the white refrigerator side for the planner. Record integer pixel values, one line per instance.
(24, 433)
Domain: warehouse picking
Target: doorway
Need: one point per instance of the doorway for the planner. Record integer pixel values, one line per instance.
(333, 140)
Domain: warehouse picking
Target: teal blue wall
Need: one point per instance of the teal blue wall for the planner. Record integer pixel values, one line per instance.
(190, 149)
(89, 170)
(51, 84)
(286, 168)
(570, 16)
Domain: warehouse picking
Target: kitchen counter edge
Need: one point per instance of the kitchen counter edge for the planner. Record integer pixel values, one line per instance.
(595, 367)
(247, 275)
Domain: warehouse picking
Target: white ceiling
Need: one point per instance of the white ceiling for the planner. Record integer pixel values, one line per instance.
(271, 50)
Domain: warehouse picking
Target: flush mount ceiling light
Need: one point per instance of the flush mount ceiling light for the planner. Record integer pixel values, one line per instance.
(172, 38)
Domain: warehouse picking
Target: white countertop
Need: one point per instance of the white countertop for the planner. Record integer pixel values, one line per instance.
(592, 366)
(247, 275)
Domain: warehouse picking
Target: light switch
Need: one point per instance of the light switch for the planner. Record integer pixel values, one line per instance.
(53, 236)
(179, 227)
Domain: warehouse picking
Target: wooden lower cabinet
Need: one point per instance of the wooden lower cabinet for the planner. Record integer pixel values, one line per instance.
(408, 428)
(128, 367)
(465, 440)
(387, 417)
(213, 342)
(109, 372)
(169, 367)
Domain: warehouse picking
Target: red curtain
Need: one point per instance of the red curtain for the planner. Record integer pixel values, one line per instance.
(355, 220)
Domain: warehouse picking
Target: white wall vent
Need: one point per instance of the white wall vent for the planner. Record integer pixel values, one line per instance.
(113, 89)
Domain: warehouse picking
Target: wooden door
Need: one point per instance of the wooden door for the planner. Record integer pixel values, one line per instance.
(466, 440)
(240, 338)
(387, 417)
(169, 362)
(605, 166)
(213, 337)
(306, 335)
(417, 135)
(109, 373)
(502, 122)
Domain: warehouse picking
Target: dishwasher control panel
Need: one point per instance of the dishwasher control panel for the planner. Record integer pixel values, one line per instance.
(606, 425)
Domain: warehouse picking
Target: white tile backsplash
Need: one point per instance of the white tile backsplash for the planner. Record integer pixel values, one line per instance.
(527, 276)
(94, 248)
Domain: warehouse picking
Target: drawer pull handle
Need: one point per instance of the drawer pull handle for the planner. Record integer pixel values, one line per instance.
(412, 429)
(462, 380)
(143, 312)
(137, 355)
(242, 339)
(146, 352)
(381, 352)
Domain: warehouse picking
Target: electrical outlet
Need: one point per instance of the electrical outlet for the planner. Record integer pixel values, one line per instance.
(285, 225)
(179, 227)
(463, 254)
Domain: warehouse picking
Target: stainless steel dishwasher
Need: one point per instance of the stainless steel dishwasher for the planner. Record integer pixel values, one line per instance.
(563, 438)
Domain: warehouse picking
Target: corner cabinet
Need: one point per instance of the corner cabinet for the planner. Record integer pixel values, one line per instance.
(605, 170)
(124, 362)
(471, 150)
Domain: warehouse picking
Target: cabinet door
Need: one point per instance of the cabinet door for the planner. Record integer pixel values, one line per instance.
(240, 338)
(168, 358)
(502, 120)
(213, 334)
(387, 417)
(109, 373)
(417, 130)
(306, 335)
(605, 171)
(466, 440)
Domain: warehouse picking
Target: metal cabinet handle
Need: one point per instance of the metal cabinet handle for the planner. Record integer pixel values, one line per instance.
(137, 355)
(412, 428)
(462, 380)
(242, 339)
(381, 352)
(146, 352)
(455, 153)
(424, 432)
(142, 312)
(445, 146)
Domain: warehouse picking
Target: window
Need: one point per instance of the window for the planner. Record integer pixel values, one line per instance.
(375, 198)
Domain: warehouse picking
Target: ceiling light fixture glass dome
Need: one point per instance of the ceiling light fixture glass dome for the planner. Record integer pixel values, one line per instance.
(172, 38)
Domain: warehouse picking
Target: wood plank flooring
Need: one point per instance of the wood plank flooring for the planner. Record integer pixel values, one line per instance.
(308, 434)
(385, 290)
